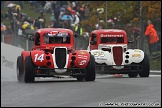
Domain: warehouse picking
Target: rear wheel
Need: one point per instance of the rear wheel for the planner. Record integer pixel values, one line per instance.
(91, 72)
(146, 67)
(29, 70)
(20, 74)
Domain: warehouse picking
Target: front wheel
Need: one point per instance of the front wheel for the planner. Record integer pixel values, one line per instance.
(91, 72)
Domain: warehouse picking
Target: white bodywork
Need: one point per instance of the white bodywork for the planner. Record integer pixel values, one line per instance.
(133, 55)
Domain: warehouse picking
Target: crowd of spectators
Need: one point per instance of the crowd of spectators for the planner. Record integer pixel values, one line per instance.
(76, 11)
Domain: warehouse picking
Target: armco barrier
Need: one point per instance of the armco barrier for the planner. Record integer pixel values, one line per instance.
(9, 56)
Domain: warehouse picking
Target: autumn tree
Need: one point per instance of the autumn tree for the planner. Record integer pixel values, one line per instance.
(151, 9)
(127, 11)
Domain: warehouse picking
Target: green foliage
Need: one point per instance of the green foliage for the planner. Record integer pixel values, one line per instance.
(155, 64)
(151, 9)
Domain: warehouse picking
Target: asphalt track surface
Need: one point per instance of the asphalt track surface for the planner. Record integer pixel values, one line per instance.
(106, 90)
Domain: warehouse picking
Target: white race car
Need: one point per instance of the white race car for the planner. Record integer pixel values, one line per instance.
(109, 47)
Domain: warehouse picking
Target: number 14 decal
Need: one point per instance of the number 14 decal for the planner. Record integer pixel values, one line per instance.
(39, 57)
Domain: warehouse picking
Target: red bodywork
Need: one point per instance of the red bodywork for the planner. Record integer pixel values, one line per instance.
(43, 54)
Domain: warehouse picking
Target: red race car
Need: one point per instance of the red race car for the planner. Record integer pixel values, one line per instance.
(54, 55)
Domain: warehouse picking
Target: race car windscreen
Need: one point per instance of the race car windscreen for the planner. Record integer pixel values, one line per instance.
(55, 37)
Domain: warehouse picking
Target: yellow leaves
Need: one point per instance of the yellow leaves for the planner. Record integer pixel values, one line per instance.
(135, 19)
(152, 8)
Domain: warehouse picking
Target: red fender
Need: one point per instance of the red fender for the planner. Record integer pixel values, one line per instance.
(40, 58)
(24, 54)
(82, 58)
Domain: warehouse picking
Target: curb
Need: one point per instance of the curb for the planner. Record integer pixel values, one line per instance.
(153, 72)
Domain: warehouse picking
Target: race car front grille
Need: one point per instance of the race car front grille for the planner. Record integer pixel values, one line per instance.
(118, 55)
(60, 57)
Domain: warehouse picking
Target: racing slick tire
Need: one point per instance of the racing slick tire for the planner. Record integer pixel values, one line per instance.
(29, 70)
(20, 74)
(91, 72)
(146, 66)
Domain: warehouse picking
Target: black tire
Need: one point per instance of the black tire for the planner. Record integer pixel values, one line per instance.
(20, 73)
(80, 78)
(29, 70)
(91, 72)
(133, 74)
(146, 67)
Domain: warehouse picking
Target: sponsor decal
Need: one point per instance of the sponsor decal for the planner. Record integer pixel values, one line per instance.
(82, 52)
(82, 62)
(82, 56)
(108, 35)
(136, 55)
(57, 33)
(96, 54)
(52, 33)
(101, 58)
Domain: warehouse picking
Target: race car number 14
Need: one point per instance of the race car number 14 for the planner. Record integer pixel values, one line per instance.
(39, 57)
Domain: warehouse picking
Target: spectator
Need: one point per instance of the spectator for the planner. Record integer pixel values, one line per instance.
(78, 29)
(136, 36)
(153, 37)
(86, 12)
(42, 20)
(47, 6)
(67, 24)
(36, 23)
(76, 19)
(9, 31)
